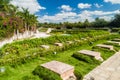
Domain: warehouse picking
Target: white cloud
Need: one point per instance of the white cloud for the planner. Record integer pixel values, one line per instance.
(65, 8)
(75, 17)
(107, 18)
(97, 5)
(113, 1)
(82, 5)
(59, 17)
(32, 5)
(99, 13)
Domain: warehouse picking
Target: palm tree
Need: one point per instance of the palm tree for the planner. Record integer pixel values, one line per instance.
(33, 22)
(30, 20)
(26, 17)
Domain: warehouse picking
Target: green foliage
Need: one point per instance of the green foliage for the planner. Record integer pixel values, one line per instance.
(116, 46)
(116, 21)
(16, 20)
(46, 74)
(85, 58)
(78, 75)
(115, 29)
(30, 77)
(105, 53)
(99, 23)
(6, 71)
(23, 51)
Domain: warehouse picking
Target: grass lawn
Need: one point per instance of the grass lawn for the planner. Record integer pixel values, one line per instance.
(27, 68)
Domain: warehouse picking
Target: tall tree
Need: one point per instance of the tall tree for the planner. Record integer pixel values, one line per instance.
(86, 23)
(99, 23)
(116, 21)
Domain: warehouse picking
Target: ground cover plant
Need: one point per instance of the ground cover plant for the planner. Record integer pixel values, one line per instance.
(27, 49)
(46, 74)
(85, 58)
(64, 54)
(105, 53)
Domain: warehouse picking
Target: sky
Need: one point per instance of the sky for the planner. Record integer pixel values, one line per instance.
(56, 11)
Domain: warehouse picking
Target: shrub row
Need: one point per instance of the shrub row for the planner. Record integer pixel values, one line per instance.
(85, 58)
(23, 58)
(105, 53)
(19, 52)
(46, 74)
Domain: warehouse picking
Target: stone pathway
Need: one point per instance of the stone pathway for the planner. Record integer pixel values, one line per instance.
(108, 70)
(25, 35)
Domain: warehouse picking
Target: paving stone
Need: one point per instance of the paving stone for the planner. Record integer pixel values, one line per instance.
(108, 70)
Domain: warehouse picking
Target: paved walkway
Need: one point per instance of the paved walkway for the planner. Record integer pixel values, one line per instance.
(108, 70)
(25, 35)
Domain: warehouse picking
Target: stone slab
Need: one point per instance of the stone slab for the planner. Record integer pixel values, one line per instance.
(106, 46)
(45, 46)
(59, 44)
(114, 42)
(108, 70)
(92, 53)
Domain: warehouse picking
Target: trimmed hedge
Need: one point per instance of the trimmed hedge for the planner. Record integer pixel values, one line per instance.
(105, 53)
(85, 58)
(115, 29)
(116, 46)
(78, 75)
(30, 77)
(46, 74)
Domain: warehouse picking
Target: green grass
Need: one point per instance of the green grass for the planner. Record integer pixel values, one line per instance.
(27, 68)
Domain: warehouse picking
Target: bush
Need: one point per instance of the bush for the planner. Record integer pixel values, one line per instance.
(78, 75)
(85, 58)
(23, 49)
(30, 77)
(116, 46)
(115, 29)
(46, 74)
(105, 53)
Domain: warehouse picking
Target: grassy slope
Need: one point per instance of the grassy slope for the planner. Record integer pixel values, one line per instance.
(26, 69)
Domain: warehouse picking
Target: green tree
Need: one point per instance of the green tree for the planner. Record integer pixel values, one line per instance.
(116, 21)
(86, 23)
(99, 23)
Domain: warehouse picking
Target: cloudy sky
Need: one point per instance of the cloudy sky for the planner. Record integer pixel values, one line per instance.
(70, 10)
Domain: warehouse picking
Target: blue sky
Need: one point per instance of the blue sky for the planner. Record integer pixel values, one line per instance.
(70, 10)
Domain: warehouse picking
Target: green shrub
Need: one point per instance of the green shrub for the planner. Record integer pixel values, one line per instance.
(105, 53)
(85, 58)
(46, 74)
(78, 75)
(30, 77)
(115, 29)
(116, 46)
(28, 47)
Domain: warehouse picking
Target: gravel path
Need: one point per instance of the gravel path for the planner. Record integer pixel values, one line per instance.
(108, 70)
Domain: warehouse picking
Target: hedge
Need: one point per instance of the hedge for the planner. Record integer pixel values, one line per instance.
(85, 58)
(46, 74)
